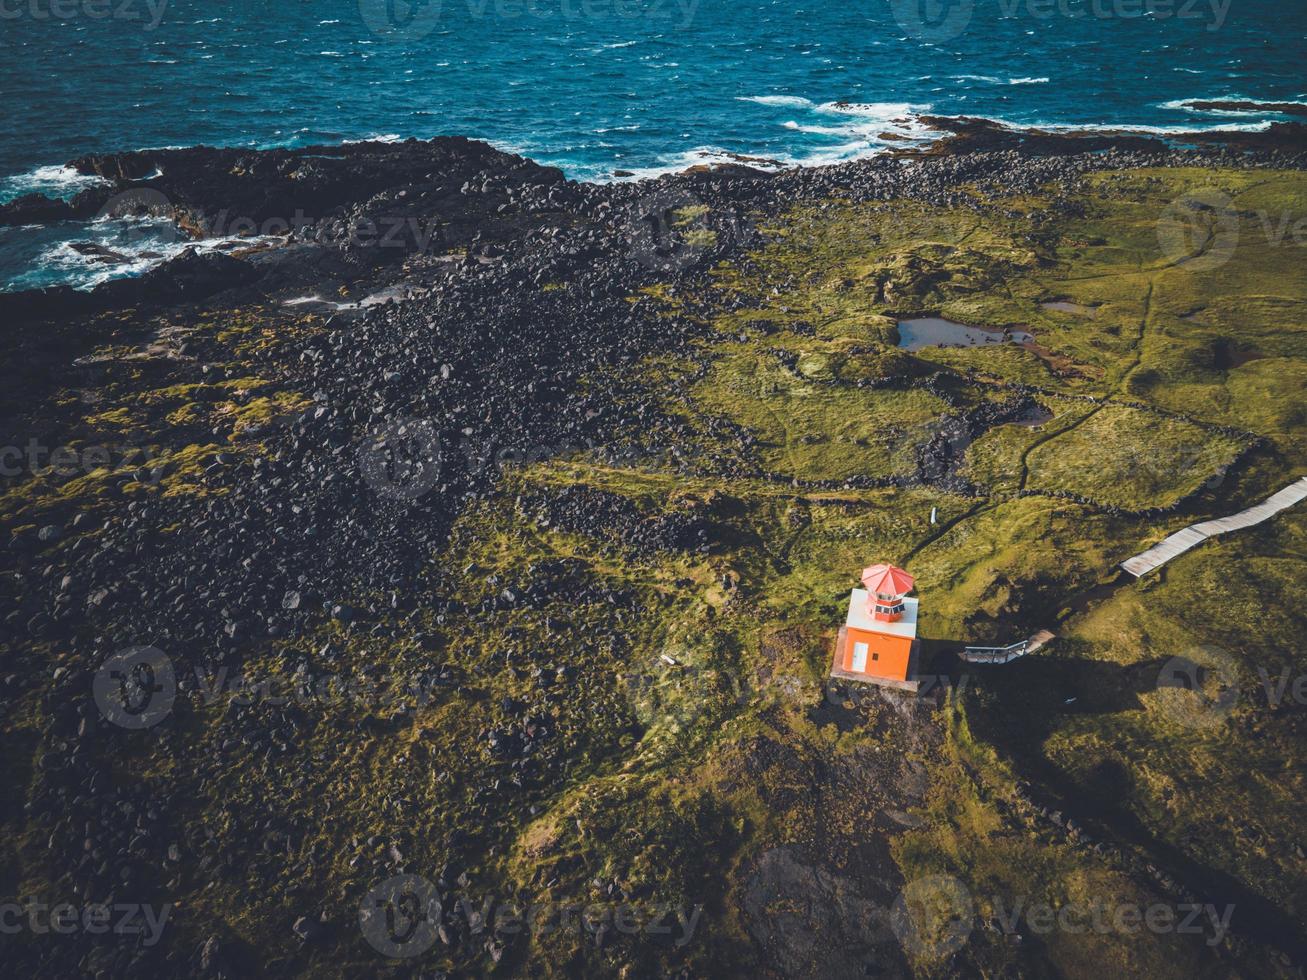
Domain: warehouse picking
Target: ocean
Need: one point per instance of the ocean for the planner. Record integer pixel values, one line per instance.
(598, 87)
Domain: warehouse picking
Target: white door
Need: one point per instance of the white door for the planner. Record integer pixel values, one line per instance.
(860, 658)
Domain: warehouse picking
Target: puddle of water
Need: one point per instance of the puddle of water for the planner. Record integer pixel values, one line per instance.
(317, 301)
(1034, 416)
(1066, 306)
(398, 293)
(933, 331)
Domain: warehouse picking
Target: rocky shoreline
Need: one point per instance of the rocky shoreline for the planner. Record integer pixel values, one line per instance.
(323, 215)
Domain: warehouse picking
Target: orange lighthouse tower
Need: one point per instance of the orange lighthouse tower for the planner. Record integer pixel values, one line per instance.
(878, 642)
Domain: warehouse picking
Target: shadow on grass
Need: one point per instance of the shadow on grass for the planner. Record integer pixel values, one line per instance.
(1017, 706)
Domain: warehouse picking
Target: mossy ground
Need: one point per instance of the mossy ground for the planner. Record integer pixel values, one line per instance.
(688, 747)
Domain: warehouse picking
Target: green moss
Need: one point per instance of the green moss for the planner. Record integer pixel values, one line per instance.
(188, 414)
(114, 418)
(260, 411)
(1132, 459)
(183, 470)
(818, 431)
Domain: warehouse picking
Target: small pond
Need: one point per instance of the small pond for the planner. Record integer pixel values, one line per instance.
(933, 331)
(1033, 417)
(1227, 355)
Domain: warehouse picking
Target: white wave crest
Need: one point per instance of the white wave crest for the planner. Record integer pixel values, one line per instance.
(53, 181)
(792, 101)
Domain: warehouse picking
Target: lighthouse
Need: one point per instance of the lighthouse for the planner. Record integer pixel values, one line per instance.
(878, 642)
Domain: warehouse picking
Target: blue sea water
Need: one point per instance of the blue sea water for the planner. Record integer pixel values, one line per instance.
(595, 86)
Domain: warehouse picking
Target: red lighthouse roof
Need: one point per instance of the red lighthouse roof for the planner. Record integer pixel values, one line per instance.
(887, 580)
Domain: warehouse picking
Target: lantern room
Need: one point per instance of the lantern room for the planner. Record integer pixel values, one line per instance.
(886, 587)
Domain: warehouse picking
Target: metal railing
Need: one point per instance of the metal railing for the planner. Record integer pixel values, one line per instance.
(996, 655)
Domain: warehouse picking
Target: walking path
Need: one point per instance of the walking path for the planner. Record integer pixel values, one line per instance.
(1194, 535)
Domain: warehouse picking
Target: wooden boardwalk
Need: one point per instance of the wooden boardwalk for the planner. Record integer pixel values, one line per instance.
(1194, 535)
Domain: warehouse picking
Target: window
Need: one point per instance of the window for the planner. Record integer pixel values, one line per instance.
(875, 656)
